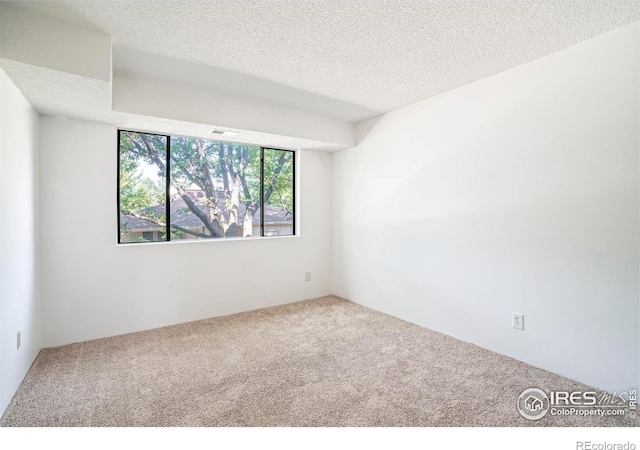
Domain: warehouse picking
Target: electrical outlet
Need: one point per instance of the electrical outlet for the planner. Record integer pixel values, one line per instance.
(18, 341)
(518, 321)
(307, 276)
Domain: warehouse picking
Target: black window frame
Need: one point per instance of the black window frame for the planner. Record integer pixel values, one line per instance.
(168, 187)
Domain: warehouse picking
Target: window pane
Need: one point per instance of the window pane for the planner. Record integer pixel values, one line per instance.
(278, 193)
(142, 187)
(215, 189)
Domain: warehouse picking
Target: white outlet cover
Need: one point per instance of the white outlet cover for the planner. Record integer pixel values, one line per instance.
(518, 321)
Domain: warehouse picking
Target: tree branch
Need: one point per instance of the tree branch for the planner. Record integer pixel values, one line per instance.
(274, 177)
(197, 211)
(194, 179)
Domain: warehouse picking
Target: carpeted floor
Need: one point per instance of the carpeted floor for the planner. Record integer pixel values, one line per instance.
(322, 362)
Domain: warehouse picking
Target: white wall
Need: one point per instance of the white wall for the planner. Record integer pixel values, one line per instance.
(92, 288)
(518, 193)
(19, 305)
(169, 99)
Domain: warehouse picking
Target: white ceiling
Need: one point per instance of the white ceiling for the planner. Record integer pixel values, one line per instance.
(129, 62)
(349, 60)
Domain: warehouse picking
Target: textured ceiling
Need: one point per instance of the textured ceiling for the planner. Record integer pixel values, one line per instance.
(345, 59)
(130, 62)
(377, 54)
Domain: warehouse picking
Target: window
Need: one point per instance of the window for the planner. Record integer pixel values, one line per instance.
(175, 188)
(278, 192)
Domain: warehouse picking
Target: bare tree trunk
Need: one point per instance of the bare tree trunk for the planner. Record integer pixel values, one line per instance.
(252, 207)
(213, 208)
(234, 201)
(210, 220)
(234, 185)
(247, 223)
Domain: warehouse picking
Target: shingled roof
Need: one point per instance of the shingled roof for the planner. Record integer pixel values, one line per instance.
(183, 217)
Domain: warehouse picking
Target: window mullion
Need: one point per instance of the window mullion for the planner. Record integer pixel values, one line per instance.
(168, 189)
(261, 191)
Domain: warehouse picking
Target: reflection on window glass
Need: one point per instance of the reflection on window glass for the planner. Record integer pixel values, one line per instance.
(142, 187)
(278, 193)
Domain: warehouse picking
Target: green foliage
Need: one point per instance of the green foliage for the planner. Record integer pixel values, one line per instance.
(222, 171)
(138, 238)
(138, 192)
(278, 166)
(191, 158)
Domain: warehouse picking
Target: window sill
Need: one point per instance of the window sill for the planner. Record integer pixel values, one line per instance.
(200, 241)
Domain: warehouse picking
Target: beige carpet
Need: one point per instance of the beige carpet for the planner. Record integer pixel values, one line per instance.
(322, 362)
